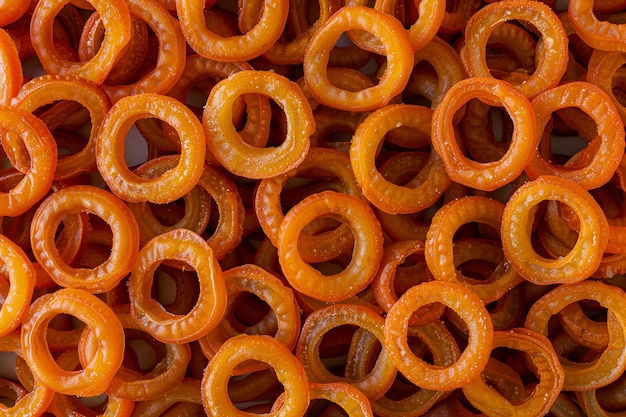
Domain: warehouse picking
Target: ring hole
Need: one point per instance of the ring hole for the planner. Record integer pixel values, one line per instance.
(143, 352)
(10, 393)
(176, 288)
(168, 214)
(331, 251)
(278, 123)
(70, 124)
(334, 347)
(585, 324)
(299, 187)
(64, 331)
(32, 67)
(401, 389)
(509, 372)
(567, 140)
(347, 54)
(255, 401)
(332, 131)
(137, 60)
(487, 131)
(251, 315)
(323, 407)
(402, 168)
(420, 349)
(477, 230)
(135, 147)
(96, 404)
(467, 407)
(241, 110)
(95, 247)
(313, 12)
(7, 363)
(421, 86)
(557, 233)
(511, 50)
(477, 270)
(412, 271)
(618, 84)
(610, 397)
(197, 97)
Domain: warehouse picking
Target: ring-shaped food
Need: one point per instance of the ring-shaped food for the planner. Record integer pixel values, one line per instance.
(366, 255)
(430, 15)
(90, 199)
(610, 364)
(96, 375)
(171, 56)
(131, 385)
(487, 176)
(117, 22)
(435, 338)
(380, 377)
(447, 64)
(384, 284)
(214, 184)
(552, 56)
(320, 162)
(252, 279)
(42, 157)
(471, 310)
(398, 53)
(519, 212)
(602, 35)
(419, 193)
(253, 387)
(225, 143)
(439, 245)
(14, 146)
(14, 265)
(548, 370)
(478, 134)
(261, 37)
(189, 248)
(198, 70)
(39, 397)
(238, 349)
(47, 89)
(515, 41)
(134, 55)
(197, 204)
(414, 225)
(582, 329)
(172, 184)
(597, 168)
